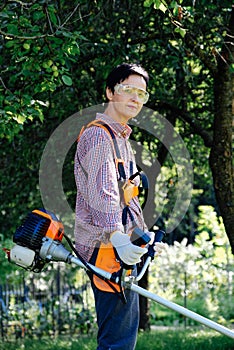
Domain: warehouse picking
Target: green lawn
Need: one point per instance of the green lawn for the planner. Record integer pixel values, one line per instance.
(189, 339)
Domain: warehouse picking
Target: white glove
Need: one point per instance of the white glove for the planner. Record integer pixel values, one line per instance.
(129, 253)
(159, 247)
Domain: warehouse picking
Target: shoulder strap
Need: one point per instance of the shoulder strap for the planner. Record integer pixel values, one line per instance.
(118, 160)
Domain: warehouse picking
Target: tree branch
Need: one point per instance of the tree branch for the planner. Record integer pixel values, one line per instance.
(5, 87)
(69, 16)
(24, 37)
(194, 47)
(3, 6)
(186, 117)
(50, 25)
(48, 19)
(24, 4)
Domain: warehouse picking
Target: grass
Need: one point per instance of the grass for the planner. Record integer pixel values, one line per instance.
(189, 339)
(177, 339)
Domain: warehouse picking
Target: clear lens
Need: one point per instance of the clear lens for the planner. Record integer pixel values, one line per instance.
(142, 95)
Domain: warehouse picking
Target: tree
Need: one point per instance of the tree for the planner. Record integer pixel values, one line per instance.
(197, 40)
(221, 156)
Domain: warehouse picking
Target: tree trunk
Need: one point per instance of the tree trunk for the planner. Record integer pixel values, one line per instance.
(221, 156)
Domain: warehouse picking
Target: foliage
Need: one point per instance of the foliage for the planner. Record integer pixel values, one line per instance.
(6, 269)
(31, 36)
(58, 301)
(199, 276)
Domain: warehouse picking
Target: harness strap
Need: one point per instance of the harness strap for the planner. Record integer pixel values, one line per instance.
(118, 160)
(125, 213)
(129, 189)
(105, 256)
(145, 185)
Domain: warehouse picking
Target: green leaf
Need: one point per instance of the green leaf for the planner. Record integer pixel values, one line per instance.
(181, 31)
(73, 49)
(67, 80)
(10, 43)
(53, 17)
(4, 15)
(20, 118)
(162, 7)
(159, 5)
(65, 33)
(148, 3)
(231, 68)
(12, 29)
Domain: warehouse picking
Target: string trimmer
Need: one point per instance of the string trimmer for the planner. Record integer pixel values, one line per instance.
(39, 240)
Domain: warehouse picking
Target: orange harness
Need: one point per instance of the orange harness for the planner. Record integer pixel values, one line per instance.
(105, 257)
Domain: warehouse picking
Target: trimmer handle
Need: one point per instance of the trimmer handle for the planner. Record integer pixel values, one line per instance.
(159, 234)
(139, 237)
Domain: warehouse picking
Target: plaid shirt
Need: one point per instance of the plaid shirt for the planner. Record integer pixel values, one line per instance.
(99, 202)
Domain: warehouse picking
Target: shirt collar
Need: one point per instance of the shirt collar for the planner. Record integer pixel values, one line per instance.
(121, 130)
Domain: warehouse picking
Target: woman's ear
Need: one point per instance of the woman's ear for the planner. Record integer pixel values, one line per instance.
(109, 94)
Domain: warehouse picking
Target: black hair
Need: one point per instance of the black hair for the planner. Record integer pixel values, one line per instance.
(122, 72)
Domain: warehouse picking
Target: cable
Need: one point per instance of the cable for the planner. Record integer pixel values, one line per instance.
(121, 294)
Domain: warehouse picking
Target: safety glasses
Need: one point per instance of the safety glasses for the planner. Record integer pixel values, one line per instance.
(125, 89)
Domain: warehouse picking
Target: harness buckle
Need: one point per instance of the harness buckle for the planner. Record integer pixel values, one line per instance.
(129, 191)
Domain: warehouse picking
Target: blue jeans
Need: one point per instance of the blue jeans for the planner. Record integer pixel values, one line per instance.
(117, 322)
